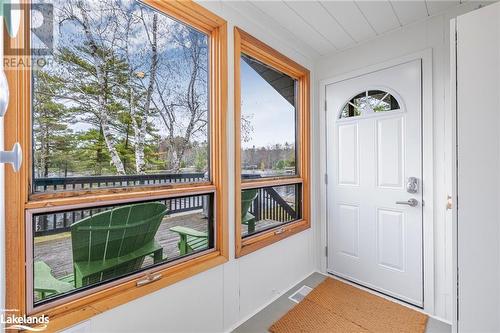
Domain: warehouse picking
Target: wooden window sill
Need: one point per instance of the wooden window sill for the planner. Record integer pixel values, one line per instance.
(70, 313)
(256, 242)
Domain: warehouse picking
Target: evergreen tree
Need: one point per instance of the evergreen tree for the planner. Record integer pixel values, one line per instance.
(53, 140)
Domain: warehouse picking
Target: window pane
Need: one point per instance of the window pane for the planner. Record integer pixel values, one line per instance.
(82, 248)
(381, 101)
(350, 110)
(369, 102)
(268, 121)
(268, 207)
(124, 99)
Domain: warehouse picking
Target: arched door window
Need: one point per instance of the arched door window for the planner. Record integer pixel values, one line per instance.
(369, 102)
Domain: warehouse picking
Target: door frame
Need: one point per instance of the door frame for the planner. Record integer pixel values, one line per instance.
(454, 174)
(427, 164)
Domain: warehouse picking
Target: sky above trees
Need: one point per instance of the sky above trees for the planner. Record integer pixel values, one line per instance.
(271, 117)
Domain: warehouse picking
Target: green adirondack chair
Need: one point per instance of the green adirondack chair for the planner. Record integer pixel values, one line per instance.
(192, 240)
(247, 218)
(109, 244)
(46, 284)
(115, 242)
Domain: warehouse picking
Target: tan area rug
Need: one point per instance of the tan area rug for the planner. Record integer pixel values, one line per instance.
(334, 306)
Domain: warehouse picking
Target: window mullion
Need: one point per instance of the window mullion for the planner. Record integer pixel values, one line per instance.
(272, 182)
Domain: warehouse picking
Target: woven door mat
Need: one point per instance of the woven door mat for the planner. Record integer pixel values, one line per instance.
(334, 306)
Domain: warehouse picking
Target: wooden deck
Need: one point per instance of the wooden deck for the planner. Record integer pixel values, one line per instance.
(55, 250)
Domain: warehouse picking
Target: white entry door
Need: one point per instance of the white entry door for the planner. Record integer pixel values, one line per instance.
(374, 165)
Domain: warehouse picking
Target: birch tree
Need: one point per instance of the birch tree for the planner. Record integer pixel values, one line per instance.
(97, 64)
(184, 107)
(140, 113)
(102, 106)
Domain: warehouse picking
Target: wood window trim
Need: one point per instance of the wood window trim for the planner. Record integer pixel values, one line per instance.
(18, 199)
(244, 42)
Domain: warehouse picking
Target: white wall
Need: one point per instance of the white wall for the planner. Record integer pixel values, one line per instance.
(219, 299)
(432, 33)
(478, 180)
(216, 300)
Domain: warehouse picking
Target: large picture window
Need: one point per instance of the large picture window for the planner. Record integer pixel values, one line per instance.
(272, 142)
(123, 133)
(123, 101)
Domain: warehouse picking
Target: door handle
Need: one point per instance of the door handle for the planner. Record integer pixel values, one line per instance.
(411, 202)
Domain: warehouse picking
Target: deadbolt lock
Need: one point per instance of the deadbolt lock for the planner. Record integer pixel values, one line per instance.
(412, 185)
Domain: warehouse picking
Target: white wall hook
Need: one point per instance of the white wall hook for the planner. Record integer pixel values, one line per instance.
(4, 93)
(14, 157)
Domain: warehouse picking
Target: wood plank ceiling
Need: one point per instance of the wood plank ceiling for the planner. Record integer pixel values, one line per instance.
(328, 27)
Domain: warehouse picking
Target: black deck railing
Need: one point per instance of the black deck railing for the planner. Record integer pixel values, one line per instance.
(47, 224)
(268, 204)
(89, 182)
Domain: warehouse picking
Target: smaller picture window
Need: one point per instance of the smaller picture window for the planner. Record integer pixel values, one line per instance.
(369, 102)
(272, 145)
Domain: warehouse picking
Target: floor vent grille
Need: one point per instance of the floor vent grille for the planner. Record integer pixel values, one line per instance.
(300, 294)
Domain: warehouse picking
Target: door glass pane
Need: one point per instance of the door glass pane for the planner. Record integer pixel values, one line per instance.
(368, 102)
(381, 101)
(268, 121)
(268, 207)
(82, 248)
(122, 101)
